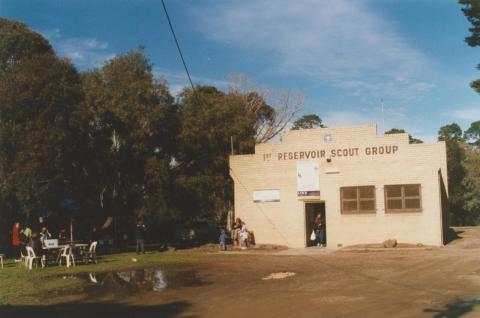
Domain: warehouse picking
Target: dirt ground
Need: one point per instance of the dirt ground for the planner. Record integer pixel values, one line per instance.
(409, 282)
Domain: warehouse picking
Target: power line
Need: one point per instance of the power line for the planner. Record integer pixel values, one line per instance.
(178, 45)
(260, 209)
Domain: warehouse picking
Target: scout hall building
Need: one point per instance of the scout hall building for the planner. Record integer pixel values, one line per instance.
(369, 187)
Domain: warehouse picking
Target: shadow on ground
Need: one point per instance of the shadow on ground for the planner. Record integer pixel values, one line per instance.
(91, 310)
(454, 310)
(452, 235)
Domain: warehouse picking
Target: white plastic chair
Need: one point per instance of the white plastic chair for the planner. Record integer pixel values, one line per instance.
(23, 259)
(91, 255)
(67, 253)
(32, 257)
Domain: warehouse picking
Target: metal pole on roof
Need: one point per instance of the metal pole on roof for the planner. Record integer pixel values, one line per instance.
(383, 116)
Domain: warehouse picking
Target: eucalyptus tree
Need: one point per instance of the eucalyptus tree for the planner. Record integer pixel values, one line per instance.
(471, 9)
(411, 139)
(133, 126)
(307, 122)
(40, 124)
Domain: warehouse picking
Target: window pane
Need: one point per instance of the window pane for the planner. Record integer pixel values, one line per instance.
(393, 191)
(349, 193)
(349, 206)
(412, 203)
(367, 192)
(367, 205)
(394, 204)
(412, 190)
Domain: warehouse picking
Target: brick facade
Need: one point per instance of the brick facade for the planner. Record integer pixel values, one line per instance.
(346, 156)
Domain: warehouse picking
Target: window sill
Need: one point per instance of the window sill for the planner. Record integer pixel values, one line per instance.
(403, 211)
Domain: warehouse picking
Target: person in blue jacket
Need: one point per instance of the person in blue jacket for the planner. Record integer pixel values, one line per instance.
(223, 240)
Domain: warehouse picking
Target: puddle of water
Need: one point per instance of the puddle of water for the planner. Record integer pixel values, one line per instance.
(135, 281)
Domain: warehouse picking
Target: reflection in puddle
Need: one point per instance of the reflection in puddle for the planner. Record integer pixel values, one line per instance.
(149, 279)
(92, 278)
(160, 282)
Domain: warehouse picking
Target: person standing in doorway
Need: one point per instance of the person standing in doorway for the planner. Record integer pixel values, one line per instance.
(319, 228)
(140, 237)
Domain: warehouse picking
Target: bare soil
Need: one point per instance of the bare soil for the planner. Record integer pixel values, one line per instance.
(411, 282)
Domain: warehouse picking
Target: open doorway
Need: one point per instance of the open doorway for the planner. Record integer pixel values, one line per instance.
(311, 210)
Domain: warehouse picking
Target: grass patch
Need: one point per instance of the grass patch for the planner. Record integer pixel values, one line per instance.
(22, 286)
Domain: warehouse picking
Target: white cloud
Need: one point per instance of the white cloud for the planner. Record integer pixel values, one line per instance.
(84, 52)
(176, 81)
(428, 138)
(51, 34)
(337, 42)
(175, 89)
(345, 118)
(467, 113)
(393, 117)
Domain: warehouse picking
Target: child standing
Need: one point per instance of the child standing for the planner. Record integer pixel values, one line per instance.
(244, 236)
(223, 240)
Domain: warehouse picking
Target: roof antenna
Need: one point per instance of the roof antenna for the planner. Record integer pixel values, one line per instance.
(383, 116)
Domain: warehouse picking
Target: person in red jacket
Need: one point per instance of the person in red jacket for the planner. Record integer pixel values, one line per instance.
(16, 241)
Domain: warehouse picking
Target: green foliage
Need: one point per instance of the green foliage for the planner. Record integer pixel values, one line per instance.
(451, 132)
(307, 122)
(456, 187)
(134, 122)
(17, 43)
(463, 176)
(471, 9)
(115, 141)
(472, 185)
(210, 120)
(402, 131)
(395, 131)
(40, 98)
(473, 133)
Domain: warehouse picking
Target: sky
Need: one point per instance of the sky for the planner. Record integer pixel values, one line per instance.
(344, 56)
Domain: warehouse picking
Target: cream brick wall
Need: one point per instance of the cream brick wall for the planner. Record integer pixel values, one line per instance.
(284, 222)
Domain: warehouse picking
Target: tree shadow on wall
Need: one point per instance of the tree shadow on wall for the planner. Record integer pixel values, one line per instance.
(454, 310)
(93, 310)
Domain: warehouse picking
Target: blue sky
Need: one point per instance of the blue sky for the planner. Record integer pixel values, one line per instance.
(344, 56)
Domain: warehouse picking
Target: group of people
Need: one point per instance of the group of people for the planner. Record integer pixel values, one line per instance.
(239, 235)
(33, 237)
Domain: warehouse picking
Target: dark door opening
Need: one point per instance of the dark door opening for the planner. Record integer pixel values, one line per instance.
(311, 211)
